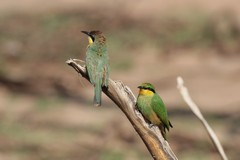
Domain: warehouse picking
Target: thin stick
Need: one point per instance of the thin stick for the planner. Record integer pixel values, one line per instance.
(184, 92)
(123, 97)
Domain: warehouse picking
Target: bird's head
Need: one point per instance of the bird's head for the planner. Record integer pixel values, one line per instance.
(146, 89)
(93, 36)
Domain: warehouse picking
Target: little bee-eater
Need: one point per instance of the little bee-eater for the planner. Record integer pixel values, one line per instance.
(152, 108)
(97, 63)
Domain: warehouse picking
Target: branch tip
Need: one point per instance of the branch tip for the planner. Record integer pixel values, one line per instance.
(186, 97)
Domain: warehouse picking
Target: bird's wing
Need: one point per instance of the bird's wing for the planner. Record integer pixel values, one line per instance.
(159, 108)
(102, 67)
(97, 66)
(91, 64)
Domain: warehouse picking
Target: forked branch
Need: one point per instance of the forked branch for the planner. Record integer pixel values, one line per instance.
(123, 97)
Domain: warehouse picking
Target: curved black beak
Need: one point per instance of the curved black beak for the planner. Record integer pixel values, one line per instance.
(140, 87)
(85, 32)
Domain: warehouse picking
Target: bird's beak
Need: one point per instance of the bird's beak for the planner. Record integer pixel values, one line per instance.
(85, 32)
(90, 38)
(140, 87)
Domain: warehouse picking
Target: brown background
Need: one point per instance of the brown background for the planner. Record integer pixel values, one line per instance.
(46, 109)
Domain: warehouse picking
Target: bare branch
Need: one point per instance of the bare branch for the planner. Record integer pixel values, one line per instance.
(123, 97)
(184, 92)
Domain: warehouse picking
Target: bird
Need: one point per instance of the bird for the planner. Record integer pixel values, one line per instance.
(151, 106)
(97, 65)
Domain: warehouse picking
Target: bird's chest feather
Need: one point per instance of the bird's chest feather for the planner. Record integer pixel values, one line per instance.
(144, 106)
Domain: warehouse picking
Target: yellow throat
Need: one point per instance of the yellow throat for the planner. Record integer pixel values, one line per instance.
(145, 92)
(90, 41)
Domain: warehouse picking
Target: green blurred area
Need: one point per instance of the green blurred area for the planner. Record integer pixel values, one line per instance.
(46, 109)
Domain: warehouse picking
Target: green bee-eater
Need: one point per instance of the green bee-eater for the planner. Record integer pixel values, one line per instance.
(97, 63)
(152, 107)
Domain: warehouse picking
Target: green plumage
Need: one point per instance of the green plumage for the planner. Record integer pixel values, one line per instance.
(152, 108)
(97, 63)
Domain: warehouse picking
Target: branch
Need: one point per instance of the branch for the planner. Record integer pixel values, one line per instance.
(184, 92)
(123, 97)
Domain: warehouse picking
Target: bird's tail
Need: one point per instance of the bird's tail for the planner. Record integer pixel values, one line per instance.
(97, 93)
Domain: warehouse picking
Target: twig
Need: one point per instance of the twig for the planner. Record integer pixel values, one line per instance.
(123, 97)
(184, 92)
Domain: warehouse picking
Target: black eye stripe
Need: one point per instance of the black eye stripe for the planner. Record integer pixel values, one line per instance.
(147, 88)
(92, 37)
(151, 90)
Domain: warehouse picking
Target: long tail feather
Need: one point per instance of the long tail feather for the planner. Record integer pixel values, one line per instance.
(97, 94)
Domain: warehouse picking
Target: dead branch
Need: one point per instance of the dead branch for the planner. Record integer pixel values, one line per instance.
(184, 92)
(123, 97)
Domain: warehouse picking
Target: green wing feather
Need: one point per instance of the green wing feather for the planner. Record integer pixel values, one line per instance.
(160, 109)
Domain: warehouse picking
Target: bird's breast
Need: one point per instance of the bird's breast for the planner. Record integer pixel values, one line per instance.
(144, 106)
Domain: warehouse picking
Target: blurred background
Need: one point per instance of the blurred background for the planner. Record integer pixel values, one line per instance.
(46, 109)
